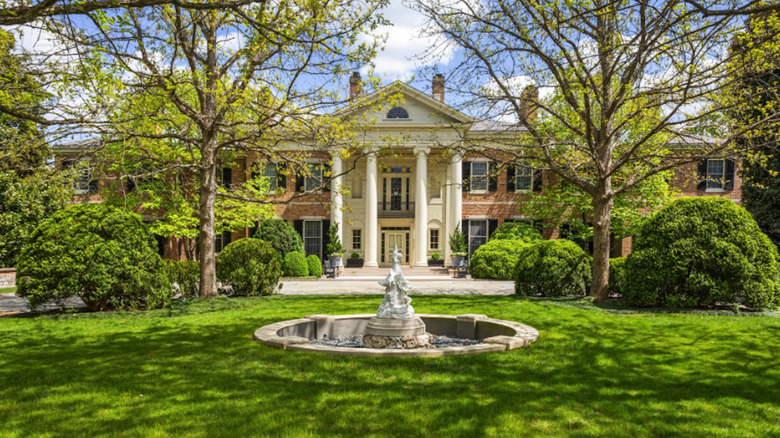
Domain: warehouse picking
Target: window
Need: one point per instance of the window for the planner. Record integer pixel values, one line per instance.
(83, 182)
(478, 234)
(225, 178)
(314, 178)
(397, 113)
(479, 175)
(356, 241)
(223, 239)
(524, 178)
(716, 173)
(268, 172)
(434, 239)
(312, 237)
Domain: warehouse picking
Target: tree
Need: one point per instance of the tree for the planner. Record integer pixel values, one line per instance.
(211, 83)
(30, 191)
(656, 68)
(758, 85)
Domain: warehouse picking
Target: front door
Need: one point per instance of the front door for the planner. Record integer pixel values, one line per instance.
(393, 240)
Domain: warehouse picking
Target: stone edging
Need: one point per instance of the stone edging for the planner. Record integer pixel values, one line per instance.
(295, 334)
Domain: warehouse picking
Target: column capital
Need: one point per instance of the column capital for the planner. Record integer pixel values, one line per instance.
(422, 151)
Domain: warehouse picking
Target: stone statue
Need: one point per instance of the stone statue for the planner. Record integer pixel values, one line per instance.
(396, 304)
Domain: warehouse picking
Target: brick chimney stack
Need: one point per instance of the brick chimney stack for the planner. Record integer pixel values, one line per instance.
(355, 85)
(528, 103)
(438, 87)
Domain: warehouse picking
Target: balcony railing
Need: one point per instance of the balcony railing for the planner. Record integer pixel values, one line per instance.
(395, 209)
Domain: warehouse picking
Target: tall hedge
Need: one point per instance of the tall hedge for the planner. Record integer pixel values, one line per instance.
(104, 255)
(517, 231)
(186, 275)
(281, 235)
(697, 252)
(496, 259)
(552, 268)
(295, 265)
(250, 266)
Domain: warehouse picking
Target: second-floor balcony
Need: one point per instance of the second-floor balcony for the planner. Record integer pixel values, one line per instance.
(395, 208)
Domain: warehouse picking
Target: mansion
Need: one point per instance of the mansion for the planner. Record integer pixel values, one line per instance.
(414, 193)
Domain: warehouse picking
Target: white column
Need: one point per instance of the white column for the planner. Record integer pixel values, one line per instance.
(372, 223)
(456, 198)
(421, 208)
(336, 201)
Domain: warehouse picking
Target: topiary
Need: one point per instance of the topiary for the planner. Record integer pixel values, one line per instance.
(517, 231)
(334, 247)
(700, 252)
(295, 265)
(186, 275)
(552, 268)
(315, 265)
(280, 234)
(104, 255)
(250, 266)
(617, 267)
(496, 259)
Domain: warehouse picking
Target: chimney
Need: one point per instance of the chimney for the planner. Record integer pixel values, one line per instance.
(529, 99)
(355, 85)
(438, 87)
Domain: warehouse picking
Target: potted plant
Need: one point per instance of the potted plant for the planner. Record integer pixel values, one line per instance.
(333, 248)
(354, 261)
(459, 249)
(435, 260)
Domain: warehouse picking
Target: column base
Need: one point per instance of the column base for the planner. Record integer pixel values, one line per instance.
(420, 264)
(370, 265)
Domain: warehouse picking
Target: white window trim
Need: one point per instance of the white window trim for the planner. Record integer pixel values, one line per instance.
(361, 239)
(532, 179)
(487, 231)
(430, 247)
(471, 176)
(720, 189)
(307, 177)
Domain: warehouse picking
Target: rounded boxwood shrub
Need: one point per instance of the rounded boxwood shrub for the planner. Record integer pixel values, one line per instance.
(104, 255)
(517, 231)
(250, 266)
(698, 252)
(617, 267)
(186, 275)
(280, 234)
(552, 268)
(496, 259)
(315, 265)
(295, 265)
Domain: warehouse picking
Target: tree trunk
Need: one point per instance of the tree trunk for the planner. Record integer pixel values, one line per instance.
(602, 207)
(207, 243)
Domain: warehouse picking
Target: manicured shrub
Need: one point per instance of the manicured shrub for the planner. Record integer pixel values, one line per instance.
(104, 255)
(295, 265)
(517, 231)
(315, 265)
(552, 268)
(281, 235)
(250, 266)
(186, 275)
(617, 268)
(496, 259)
(435, 256)
(698, 252)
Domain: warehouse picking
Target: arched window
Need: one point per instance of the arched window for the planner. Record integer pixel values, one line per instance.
(397, 113)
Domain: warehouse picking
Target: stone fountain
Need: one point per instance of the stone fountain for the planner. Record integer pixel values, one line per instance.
(395, 324)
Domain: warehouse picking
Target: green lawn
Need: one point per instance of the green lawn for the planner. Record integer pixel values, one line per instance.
(196, 371)
(7, 290)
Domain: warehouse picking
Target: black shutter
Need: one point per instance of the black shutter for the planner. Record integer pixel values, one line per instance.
(299, 181)
(466, 174)
(325, 239)
(129, 185)
(537, 184)
(465, 229)
(510, 178)
(702, 175)
(227, 177)
(254, 170)
(226, 237)
(326, 169)
(729, 183)
(298, 225)
(93, 186)
(492, 225)
(492, 177)
(253, 229)
(281, 177)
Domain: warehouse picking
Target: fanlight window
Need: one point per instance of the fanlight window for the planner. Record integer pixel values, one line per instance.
(397, 113)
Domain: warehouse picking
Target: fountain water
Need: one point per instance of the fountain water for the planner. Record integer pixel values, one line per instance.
(395, 325)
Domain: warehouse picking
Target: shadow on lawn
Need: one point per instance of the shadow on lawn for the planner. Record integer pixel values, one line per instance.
(205, 375)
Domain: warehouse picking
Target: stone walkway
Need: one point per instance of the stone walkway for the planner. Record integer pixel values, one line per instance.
(421, 285)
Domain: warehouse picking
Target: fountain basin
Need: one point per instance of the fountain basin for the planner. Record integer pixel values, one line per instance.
(496, 334)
